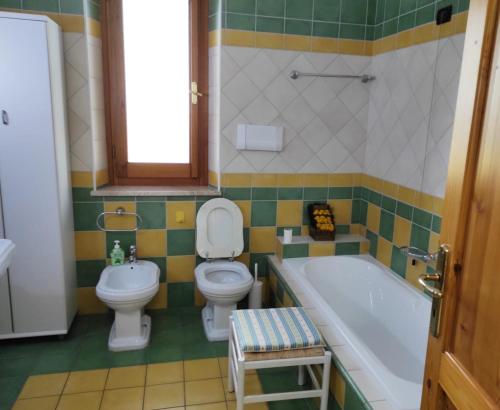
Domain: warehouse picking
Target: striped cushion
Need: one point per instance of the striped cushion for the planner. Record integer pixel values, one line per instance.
(271, 330)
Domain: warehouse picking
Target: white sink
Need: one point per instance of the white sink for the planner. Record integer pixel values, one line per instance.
(6, 253)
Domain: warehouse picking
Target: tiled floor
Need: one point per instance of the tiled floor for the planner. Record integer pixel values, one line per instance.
(79, 372)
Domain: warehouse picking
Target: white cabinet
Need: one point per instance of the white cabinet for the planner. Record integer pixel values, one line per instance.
(35, 179)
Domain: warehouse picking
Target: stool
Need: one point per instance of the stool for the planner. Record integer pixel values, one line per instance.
(269, 338)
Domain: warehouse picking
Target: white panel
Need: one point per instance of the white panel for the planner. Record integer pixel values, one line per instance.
(29, 179)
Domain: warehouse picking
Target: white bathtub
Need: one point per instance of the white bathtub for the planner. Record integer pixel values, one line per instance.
(384, 319)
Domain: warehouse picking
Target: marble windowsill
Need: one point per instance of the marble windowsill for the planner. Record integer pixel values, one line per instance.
(156, 191)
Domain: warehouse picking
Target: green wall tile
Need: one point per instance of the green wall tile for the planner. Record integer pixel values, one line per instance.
(41, 5)
(264, 194)
(270, 25)
(263, 213)
(354, 11)
(436, 224)
(316, 194)
(214, 6)
(83, 194)
(162, 264)
(340, 193)
(375, 198)
(321, 29)
(119, 198)
(369, 33)
(153, 214)
(372, 12)
(422, 218)
(390, 27)
(298, 27)
(296, 230)
(85, 215)
(355, 211)
(386, 228)
(180, 294)
(407, 6)
(179, 198)
(389, 204)
(419, 237)
(343, 229)
(235, 194)
(373, 238)
(425, 15)
(404, 210)
(347, 248)
(72, 6)
(246, 239)
(240, 6)
(180, 242)
(352, 31)
(327, 10)
(421, 3)
(11, 4)
(407, 22)
(379, 15)
(299, 9)
(240, 21)
(398, 261)
(126, 240)
(298, 250)
(89, 272)
(271, 8)
(391, 9)
(290, 193)
(378, 31)
(352, 400)
(261, 260)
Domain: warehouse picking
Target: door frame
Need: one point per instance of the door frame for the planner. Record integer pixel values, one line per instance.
(473, 90)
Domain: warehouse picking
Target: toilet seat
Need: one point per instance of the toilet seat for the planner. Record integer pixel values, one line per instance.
(219, 229)
(221, 278)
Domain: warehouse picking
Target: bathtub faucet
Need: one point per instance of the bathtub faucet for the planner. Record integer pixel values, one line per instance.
(419, 254)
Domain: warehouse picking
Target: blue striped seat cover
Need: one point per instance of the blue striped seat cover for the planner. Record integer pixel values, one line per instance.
(272, 330)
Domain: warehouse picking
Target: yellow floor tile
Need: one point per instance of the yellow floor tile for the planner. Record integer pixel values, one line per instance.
(162, 373)
(85, 381)
(231, 405)
(252, 386)
(131, 376)
(210, 406)
(223, 365)
(204, 391)
(44, 385)
(201, 369)
(80, 401)
(123, 399)
(164, 396)
(41, 403)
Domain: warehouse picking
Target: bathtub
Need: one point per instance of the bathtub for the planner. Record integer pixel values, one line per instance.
(382, 318)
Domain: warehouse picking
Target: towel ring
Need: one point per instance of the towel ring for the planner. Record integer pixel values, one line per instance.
(120, 211)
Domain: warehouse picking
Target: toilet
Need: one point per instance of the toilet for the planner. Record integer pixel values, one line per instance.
(127, 289)
(222, 280)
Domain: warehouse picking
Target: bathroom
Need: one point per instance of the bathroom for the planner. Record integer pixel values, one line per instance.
(378, 113)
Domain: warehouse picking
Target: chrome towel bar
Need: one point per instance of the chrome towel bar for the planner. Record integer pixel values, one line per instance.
(119, 212)
(365, 78)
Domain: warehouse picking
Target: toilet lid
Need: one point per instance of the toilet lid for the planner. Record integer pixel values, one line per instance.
(219, 229)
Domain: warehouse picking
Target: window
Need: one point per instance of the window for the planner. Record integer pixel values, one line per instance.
(155, 61)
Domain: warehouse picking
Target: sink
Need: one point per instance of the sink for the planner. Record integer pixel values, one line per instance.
(6, 253)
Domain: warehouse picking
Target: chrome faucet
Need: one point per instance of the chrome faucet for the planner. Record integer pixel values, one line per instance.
(419, 254)
(132, 258)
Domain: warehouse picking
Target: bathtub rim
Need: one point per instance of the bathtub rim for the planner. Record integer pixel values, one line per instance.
(302, 298)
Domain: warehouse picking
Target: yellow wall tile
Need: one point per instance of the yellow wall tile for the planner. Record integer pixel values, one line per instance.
(90, 245)
(89, 303)
(304, 231)
(180, 268)
(339, 180)
(438, 205)
(246, 210)
(101, 177)
(262, 239)
(264, 180)
(289, 180)
(390, 189)
(342, 209)
(407, 195)
(425, 201)
(355, 229)
(151, 243)
(315, 180)
(297, 43)
(160, 299)
(117, 221)
(384, 251)
(364, 247)
(244, 258)
(353, 47)
(214, 38)
(287, 300)
(81, 179)
(189, 209)
(237, 180)
(337, 386)
(238, 38)
(279, 250)
(289, 213)
(434, 242)
(373, 218)
(270, 40)
(199, 299)
(324, 45)
(322, 249)
(402, 229)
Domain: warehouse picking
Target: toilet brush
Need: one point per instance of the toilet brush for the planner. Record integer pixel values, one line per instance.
(255, 298)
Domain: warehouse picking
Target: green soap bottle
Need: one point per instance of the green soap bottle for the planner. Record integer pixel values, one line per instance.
(117, 255)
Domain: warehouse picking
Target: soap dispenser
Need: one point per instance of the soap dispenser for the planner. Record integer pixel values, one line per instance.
(117, 255)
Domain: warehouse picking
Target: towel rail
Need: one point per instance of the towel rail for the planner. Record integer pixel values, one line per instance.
(120, 211)
(365, 78)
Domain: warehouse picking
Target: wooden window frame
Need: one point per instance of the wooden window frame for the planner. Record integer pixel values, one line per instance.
(121, 172)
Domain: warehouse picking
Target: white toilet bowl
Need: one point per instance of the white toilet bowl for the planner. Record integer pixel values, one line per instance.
(127, 289)
(224, 284)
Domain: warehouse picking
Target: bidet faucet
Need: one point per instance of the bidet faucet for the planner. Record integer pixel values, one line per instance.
(132, 256)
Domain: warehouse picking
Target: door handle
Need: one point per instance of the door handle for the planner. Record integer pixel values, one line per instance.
(5, 117)
(435, 292)
(195, 93)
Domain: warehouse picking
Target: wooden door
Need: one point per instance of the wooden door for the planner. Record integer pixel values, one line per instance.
(463, 363)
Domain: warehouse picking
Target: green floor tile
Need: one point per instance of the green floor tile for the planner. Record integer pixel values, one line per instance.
(180, 294)
(54, 362)
(164, 354)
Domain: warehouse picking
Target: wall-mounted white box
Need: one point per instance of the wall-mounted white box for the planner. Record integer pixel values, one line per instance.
(259, 137)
